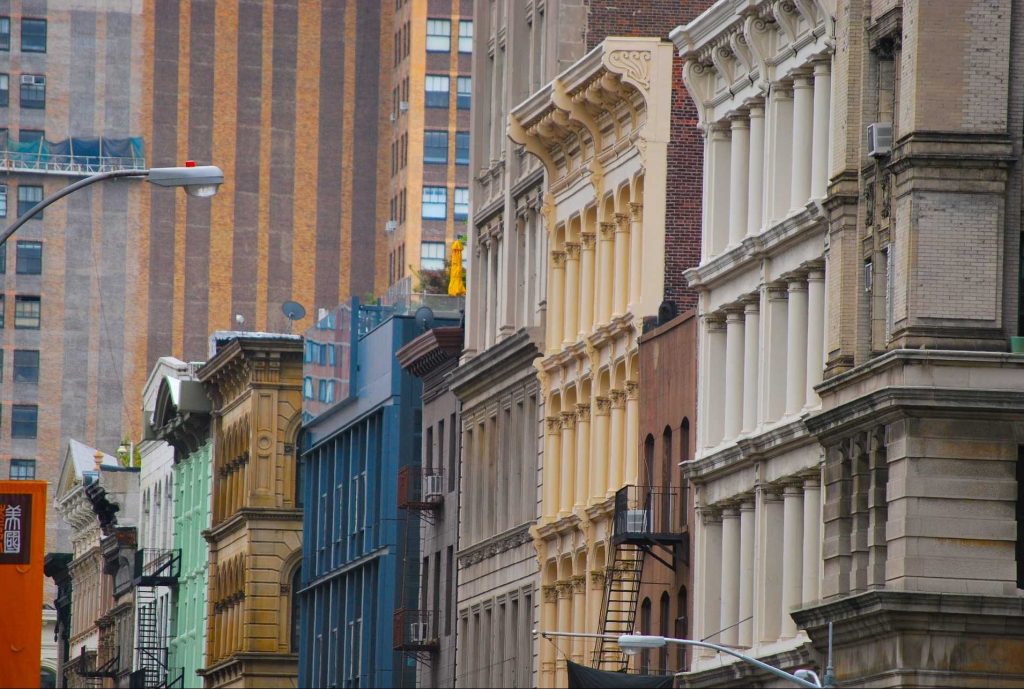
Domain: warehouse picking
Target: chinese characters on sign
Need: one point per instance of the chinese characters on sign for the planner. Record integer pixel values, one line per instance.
(16, 512)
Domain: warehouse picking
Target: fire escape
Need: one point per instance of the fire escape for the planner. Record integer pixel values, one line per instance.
(415, 631)
(154, 569)
(648, 522)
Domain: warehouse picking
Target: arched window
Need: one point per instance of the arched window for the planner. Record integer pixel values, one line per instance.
(682, 630)
(296, 617)
(666, 523)
(684, 455)
(649, 459)
(664, 610)
(645, 628)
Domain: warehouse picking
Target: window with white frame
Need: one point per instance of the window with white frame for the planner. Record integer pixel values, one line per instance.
(432, 256)
(461, 203)
(5, 90)
(5, 33)
(29, 195)
(33, 91)
(436, 87)
(435, 147)
(465, 36)
(439, 35)
(464, 93)
(435, 203)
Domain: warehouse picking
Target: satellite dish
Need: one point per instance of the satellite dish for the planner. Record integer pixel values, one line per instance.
(293, 311)
(424, 318)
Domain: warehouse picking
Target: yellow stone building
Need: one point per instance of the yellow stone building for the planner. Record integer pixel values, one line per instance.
(255, 538)
(601, 129)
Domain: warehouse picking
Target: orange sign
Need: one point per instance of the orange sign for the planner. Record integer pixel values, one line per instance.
(23, 517)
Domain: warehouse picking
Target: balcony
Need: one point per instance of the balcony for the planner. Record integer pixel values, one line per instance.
(156, 567)
(74, 157)
(420, 489)
(415, 631)
(650, 515)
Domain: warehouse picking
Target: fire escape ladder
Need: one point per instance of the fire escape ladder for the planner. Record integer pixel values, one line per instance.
(618, 614)
(155, 569)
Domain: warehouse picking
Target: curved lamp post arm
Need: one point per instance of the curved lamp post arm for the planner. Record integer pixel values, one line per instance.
(745, 658)
(71, 188)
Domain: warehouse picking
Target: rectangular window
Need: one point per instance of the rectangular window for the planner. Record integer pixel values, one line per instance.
(435, 203)
(33, 91)
(3, 206)
(5, 33)
(33, 35)
(23, 470)
(436, 87)
(29, 260)
(2, 309)
(432, 258)
(26, 365)
(464, 93)
(462, 148)
(307, 388)
(24, 418)
(5, 90)
(439, 35)
(29, 196)
(435, 147)
(461, 203)
(26, 312)
(465, 36)
(449, 580)
(30, 136)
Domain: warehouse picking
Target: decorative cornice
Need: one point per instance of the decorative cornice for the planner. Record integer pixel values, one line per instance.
(503, 542)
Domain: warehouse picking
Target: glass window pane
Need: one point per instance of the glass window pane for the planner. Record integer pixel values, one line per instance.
(24, 418)
(3, 205)
(435, 203)
(439, 35)
(29, 260)
(462, 148)
(5, 33)
(461, 203)
(28, 196)
(26, 365)
(465, 37)
(33, 35)
(435, 147)
(432, 255)
(22, 470)
(33, 91)
(26, 312)
(436, 87)
(464, 93)
(5, 90)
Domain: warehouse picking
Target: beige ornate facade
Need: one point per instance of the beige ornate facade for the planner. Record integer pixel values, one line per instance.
(601, 129)
(255, 382)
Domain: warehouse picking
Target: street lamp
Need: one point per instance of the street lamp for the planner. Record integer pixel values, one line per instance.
(199, 180)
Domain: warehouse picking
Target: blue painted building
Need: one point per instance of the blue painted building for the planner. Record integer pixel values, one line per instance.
(362, 419)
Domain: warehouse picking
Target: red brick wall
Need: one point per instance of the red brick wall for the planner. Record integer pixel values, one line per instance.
(686, 151)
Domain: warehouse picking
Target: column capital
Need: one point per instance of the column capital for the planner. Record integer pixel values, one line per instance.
(719, 131)
(777, 292)
(550, 593)
(734, 315)
(564, 588)
(622, 222)
(822, 69)
(796, 283)
(568, 420)
(714, 323)
(554, 424)
(604, 405)
(597, 578)
(816, 274)
(607, 229)
(583, 413)
(558, 259)
(618, 398)
(756, 111)
(710, 515)
(578, 583)
(731, 510)
(739, 120)
(587, 240)
(752, 306)
(636, 211)
(793, 488)
(572, 251)
(747, 503)
(812, 482)
(632, 390)
(772, 493)
(803, 81)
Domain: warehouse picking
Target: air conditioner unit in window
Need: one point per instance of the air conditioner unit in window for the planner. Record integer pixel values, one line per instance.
(636, 521)
(879, 139)
(433, 487)
(418, 632)
(869, 273)
(393, 117)
(403, 106)
(33, 80)
(390, 226)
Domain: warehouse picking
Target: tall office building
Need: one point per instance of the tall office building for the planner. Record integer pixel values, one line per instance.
(287, 97)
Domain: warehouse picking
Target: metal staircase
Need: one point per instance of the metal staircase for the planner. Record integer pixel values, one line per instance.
(154, 568)
(150, 647)
(618, 612)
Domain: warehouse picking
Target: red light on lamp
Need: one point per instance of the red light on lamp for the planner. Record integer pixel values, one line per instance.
(190, 163)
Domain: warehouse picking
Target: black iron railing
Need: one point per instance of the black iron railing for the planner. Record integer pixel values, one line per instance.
(649, 512)
(157, 567)
(420, 489)
(415, 630)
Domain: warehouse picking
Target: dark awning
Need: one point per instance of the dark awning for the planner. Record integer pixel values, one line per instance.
(583, 677)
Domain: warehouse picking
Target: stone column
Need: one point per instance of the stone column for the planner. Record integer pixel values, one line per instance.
(815, 333)
(770, 584)
(616, 455)
(820, 135)
(621, 280)
(564, 589)
(714, 383)
(567, 463)
(606, 271)
(730, 576)
(746, 608)
(734, 344)
(775, 341)
(556, 302)
(755, 172)
(803, 121)
(582, 483)
(552, 451)
(599, 471)
(796, 346)
(494, 289)
(597, 580)
(751, 352)
(636, 254)
(716, 185)
(572, 293)
(779, 133)
(739, 160)
(579, 609)
(812, 540)
(792, 556)
(587, 242)
(632, 440)
(711, 600)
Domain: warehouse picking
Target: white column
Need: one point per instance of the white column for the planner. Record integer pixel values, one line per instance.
(579, 610)
(755, 172)
(819, 137)
(739, 159)
(774, 386)
(572, 287)
(583, 459)
(751, 350)
(567, 463)
(632, 439)
(494, 293)
(717, 184)
(587, 242)
(770, 584)
(792, 556)
(803, 121)
(812, 539)
(564, 589)
(616, 448)
(604, 279)
(730, 576)
(552, 451)
(815, 333)
(711, 601)
(556, 301)
(716, 340)
(734, 360)
(620, 282)
(601, 441)
(746, 609)
(796, 346)
(779, 132)
(636, 255)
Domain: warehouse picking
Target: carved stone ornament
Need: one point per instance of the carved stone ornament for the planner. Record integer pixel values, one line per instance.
(604, 404)
(607, 230)
(618, 398)
(634, 65)
(554, 424)
(597, 578)
(622, 222)
(587, 240)
(632, 389)
(550, 593)
(636, 211)
(568, 420)
(583, 413)
(558, 259)
(578, 583)
(572, 251)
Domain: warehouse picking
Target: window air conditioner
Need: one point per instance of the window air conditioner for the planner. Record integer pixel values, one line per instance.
(636, 521)
(33, 80)
(390, 226)
(432, 487)
(879, 139)
(869, 272)
(393, 117)
(403, 106)
(418, 632)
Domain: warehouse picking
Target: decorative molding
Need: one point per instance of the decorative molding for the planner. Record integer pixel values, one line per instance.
(495, 546)
(633, 65)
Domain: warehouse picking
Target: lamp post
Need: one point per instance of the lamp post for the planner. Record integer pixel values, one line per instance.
(198, 180)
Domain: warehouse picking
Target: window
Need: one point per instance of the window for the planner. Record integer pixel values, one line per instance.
(33, 35)
(307, 388)
(461, 203)
(462, 148)
(26, 312)
(435, 203)
(296, 617)
(30, 136)
(1, 310)
(464, 93)
(5, 33)
(465, 36)
(33, 91)
(5, 90)
(439, 35)
(432, 257)
(3, 209)
(29, 260)
(436, 87)
(28, 197)
(23, 420)
(435, 147)
(26, 365)
(23, 469)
